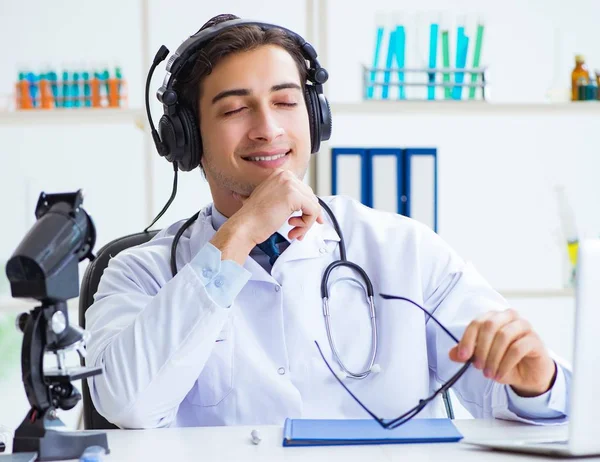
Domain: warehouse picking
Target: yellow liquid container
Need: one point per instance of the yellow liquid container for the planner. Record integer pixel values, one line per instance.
(572, 248)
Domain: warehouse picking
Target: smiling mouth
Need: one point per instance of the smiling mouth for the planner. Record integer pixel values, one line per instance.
(265, 158)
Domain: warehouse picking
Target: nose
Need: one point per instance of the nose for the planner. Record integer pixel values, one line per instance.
(265, 126)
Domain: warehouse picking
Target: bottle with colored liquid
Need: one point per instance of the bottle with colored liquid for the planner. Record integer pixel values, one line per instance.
(569, 229)
(579, 74)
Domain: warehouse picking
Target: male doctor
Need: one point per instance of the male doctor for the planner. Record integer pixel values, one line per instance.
(230, 339)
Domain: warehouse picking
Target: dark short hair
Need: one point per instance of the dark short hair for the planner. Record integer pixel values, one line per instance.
(230, 41)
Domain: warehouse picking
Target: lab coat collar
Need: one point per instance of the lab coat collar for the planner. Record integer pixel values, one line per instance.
(319, 240)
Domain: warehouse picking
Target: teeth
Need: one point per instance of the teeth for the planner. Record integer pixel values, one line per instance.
(278, 156)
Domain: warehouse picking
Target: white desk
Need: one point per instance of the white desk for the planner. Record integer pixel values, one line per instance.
(235, 444)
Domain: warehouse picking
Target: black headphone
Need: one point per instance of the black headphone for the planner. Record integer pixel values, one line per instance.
(178, 137)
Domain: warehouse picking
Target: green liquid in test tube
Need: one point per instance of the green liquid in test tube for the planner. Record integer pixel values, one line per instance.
(476, 58)
(446, 63)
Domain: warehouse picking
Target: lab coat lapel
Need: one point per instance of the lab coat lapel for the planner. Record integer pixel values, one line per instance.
(258, 272)
(320, 239)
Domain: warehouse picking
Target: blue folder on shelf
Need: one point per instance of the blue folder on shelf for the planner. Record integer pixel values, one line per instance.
(306, 432)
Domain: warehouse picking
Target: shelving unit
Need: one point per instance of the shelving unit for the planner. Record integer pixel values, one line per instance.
(538, 293)
(73, 116)
(464, 107)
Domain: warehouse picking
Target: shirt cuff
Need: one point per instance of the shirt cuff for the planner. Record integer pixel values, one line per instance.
(549, 405)
(222, 279)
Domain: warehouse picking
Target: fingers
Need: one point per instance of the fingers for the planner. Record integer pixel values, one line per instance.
(453, 354)
(503, 340)
(480, 333)
(487, 332)
(515, 353)
(466, 346)
(311, 210)
(303, 223)
(281, 194)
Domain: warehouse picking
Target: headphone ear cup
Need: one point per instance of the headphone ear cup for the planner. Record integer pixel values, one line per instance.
(168, 138)
(326, 119)
(319, 116)
(312, 106)
(192, 150)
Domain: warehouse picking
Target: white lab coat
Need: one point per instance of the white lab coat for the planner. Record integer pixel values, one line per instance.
(173, 357)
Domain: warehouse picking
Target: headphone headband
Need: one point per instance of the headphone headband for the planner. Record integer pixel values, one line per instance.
(178, 138)
(195, 42)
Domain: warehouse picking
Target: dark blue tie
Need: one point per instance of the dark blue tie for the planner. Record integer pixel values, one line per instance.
(270, 247)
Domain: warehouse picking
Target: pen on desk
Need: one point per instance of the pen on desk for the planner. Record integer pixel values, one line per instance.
(256, 439)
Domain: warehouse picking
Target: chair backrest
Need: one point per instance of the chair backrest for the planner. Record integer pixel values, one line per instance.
(89, 286)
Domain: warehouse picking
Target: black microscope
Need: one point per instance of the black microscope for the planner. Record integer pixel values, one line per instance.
(44, 267)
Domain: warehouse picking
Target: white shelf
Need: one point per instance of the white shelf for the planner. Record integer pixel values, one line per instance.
(463, 107)
(73, 116)
(537, 293)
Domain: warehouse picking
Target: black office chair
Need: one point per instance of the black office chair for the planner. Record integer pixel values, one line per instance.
(89, 286)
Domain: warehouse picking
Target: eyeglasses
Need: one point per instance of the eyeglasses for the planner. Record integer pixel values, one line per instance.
(400, 420)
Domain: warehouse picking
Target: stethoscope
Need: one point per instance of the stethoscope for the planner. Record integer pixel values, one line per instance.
(368, 287)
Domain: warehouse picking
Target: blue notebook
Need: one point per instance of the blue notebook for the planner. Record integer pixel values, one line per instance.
(306, 432)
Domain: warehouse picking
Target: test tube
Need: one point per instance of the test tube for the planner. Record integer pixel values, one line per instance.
(379, 28)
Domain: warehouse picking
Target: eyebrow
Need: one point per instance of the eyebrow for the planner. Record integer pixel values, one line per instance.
(246, 92)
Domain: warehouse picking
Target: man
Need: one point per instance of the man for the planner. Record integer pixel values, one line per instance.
(230, 339)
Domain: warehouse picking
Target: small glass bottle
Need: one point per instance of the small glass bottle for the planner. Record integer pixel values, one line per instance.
(582, 86)
(580, 72)
(592, 90)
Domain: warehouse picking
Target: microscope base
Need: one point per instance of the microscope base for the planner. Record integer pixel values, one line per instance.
(51, 442)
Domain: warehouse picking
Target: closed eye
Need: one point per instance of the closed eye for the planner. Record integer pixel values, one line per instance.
(287, 104)
(235, 111)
